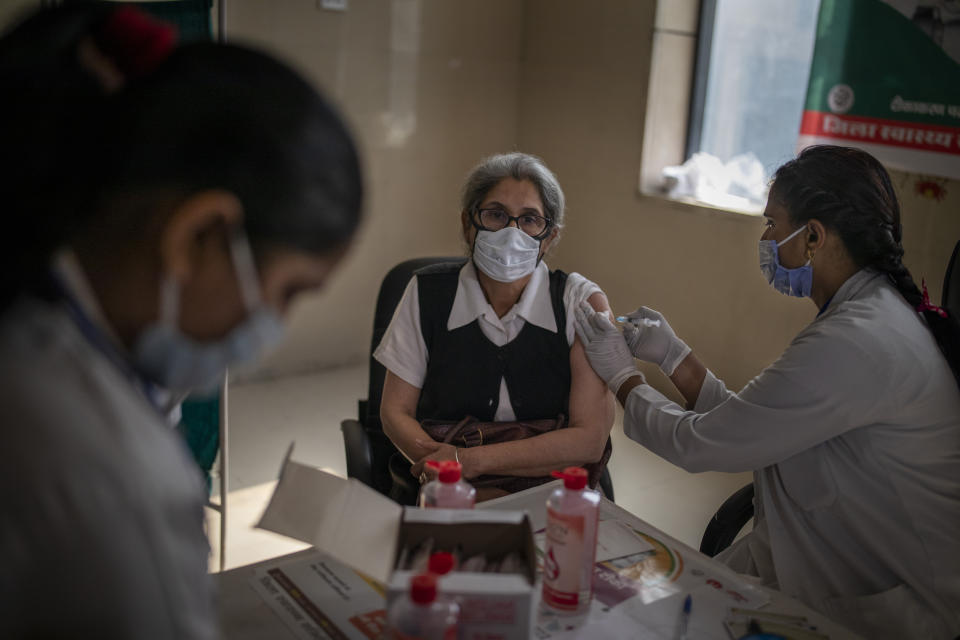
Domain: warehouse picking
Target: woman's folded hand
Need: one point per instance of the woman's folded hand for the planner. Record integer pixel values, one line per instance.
(438, 451)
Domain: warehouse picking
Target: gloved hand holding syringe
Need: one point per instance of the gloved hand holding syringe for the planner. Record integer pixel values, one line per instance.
(650, 338)
(637, 322)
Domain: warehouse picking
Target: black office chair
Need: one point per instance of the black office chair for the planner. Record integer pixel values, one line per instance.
(368, 449)
(369, 452)
(737, 510)
(950, 299)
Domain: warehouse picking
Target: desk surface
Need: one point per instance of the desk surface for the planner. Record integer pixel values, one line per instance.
(244, 614)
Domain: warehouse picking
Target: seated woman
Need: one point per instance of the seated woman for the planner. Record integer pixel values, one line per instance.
(494, 339)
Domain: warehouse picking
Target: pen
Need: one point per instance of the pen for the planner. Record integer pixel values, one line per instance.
(685, 617)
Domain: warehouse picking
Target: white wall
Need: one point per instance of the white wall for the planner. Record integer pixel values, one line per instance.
(429, 87)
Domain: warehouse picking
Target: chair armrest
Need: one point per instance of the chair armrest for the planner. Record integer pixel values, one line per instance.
(356, 444)
(404, 489)
(727, 522)
(606, 484)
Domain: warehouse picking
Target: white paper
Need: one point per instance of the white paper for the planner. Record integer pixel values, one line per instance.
(345, 518)
(532, 501)
(318, 597)
(615, 540)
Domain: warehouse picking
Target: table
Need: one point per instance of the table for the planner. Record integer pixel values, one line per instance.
(245, 614)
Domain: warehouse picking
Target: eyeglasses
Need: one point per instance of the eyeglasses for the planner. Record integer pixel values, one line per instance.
(495, 219)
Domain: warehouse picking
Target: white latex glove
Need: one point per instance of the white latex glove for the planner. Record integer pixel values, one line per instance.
(606, 349)
(651, 339)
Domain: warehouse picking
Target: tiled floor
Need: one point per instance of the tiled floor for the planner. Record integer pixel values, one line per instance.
(266, 416)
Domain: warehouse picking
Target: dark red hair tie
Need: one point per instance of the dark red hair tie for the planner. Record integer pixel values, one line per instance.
(925, 304)
(135, 42)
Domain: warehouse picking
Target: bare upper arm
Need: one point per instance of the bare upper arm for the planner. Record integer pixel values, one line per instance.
(591, 403)
(399, 398)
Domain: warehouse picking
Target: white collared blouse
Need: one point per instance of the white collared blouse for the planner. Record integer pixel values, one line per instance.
(403, 351)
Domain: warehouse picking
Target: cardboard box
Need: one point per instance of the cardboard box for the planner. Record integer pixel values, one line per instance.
(493, 606)
(367, 531)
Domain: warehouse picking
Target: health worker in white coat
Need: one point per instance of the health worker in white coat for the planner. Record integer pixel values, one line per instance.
(853, 434)
(171, 201)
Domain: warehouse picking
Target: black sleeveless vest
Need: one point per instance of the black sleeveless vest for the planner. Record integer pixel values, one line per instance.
(464, 368)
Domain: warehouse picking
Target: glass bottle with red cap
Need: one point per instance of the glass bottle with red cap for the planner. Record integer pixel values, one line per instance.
(419, 615)
(448, 491)
(573, 512)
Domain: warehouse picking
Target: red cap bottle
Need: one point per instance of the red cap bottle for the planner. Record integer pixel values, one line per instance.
(573, 514)
(448, 491)
(574, 478)
(441, 563)
(423, 588)
(448, 470)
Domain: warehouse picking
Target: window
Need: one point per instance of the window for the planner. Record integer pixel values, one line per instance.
(750, 81)
(717, 139)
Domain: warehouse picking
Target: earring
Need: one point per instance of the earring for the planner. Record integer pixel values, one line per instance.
(810, 253)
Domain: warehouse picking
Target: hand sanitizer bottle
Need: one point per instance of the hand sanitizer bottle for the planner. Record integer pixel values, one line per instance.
(573, 512)
(419, 615)
(448, 491)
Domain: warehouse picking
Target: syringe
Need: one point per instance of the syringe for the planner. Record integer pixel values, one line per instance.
(638, 322)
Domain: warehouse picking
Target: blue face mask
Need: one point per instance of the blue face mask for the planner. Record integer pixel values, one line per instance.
(792, 282)
(165, 355)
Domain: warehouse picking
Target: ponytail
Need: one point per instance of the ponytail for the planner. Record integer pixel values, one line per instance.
(850, 192)
(110, 121)
(58, 69)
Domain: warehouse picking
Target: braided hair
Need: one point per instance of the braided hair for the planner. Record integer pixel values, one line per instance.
(850, 193)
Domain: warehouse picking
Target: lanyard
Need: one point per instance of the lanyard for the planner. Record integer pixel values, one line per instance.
(824, 307)
(99, 341)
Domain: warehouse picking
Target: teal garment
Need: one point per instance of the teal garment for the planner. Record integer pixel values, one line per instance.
(200, 427)
(191, 17)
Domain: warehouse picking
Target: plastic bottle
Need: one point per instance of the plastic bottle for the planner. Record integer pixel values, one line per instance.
(419, 615)
(448, 491)
(571, 544)
(441, 563)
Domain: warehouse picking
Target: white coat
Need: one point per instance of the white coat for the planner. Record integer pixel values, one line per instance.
(854, 439)
(101, 507)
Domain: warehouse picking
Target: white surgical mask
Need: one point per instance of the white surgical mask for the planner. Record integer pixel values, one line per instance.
(179, 363)
(506, 255)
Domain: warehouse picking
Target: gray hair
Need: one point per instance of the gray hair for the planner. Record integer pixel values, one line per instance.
(519, 166)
